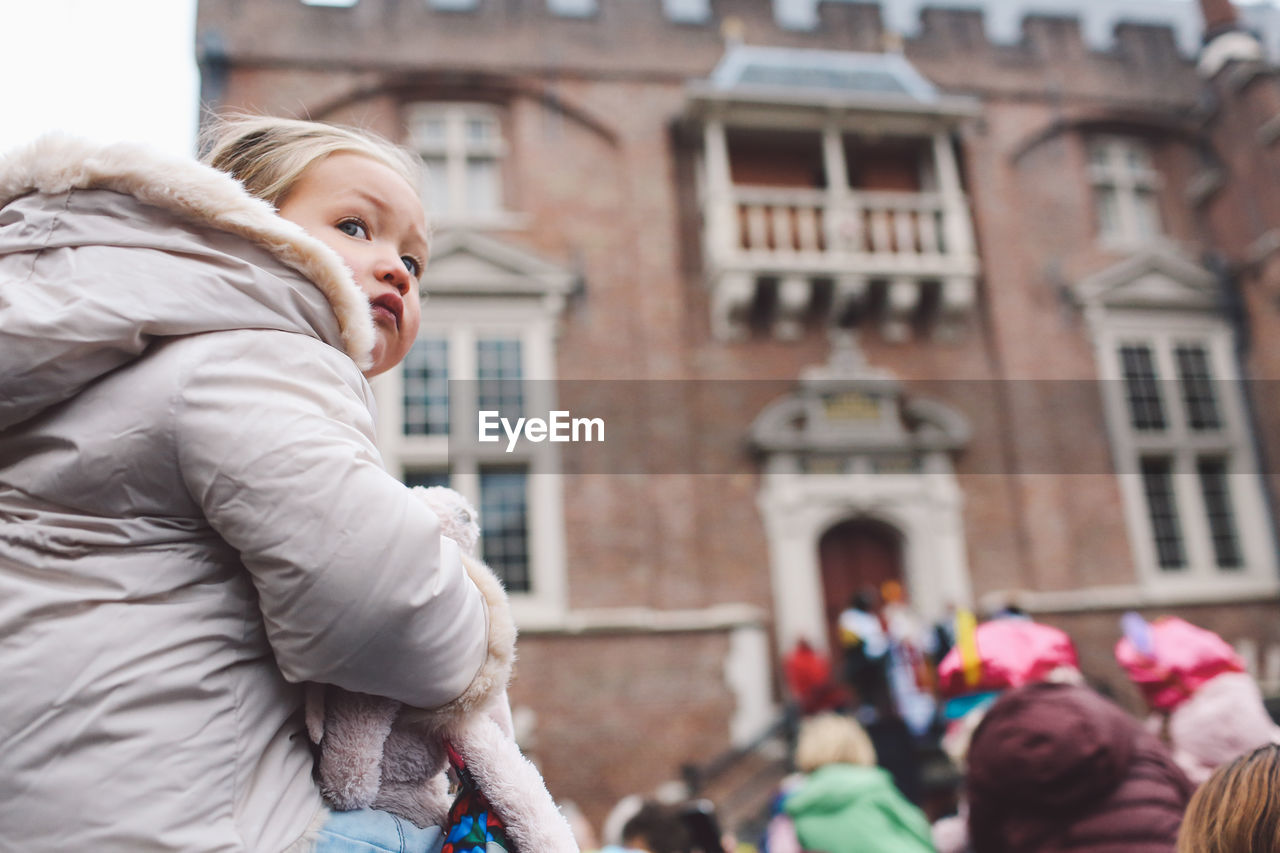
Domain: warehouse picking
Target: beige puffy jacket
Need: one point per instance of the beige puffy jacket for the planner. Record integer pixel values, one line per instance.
(193, 516)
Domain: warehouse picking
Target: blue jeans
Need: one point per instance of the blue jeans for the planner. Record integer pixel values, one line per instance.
(373, 831)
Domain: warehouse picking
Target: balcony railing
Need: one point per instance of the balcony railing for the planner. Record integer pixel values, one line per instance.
(878, 231)
(796, 236)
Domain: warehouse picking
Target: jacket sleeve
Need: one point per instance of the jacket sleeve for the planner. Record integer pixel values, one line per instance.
(356, 585)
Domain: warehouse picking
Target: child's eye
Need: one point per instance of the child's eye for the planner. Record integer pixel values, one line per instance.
(354, 228)
(412, 265)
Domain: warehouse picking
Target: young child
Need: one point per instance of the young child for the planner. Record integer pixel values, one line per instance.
(382, 763)
(193, 515)
(353, 193)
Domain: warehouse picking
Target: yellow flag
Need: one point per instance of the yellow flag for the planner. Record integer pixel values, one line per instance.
(967, 643)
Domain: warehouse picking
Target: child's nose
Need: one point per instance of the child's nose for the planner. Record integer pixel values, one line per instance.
(393, 272)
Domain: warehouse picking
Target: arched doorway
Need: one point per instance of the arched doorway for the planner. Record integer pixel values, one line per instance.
(855, 555)
(858, 488)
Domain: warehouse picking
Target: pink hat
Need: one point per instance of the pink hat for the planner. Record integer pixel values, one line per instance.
(1172, 658)
(1011, 653)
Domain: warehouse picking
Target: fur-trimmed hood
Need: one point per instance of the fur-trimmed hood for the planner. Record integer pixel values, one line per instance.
(104, 248)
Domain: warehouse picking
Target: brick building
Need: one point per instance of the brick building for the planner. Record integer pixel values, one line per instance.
(993, 318)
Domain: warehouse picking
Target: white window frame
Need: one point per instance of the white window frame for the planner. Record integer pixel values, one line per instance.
(687, 11)
(1163, 332)
(1127, 181)
(573, 8)
(456, 149)
(463, 321)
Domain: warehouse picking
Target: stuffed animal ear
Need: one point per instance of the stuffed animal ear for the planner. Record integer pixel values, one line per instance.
(355, 729)
(459, 520)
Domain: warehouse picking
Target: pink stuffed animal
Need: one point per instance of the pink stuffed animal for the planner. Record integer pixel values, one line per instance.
(377, 753)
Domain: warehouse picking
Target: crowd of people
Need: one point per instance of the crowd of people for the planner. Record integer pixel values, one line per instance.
(1044, 761)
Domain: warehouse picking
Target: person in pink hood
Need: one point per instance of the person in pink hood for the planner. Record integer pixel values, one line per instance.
(1204, 703)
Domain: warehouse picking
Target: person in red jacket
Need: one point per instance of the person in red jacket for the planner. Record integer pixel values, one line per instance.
(1057, 767)
(808, 674)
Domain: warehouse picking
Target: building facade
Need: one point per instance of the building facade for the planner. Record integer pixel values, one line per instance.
(995, 319)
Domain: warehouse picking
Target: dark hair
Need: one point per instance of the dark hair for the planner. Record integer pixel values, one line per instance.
(659, 827)
(864, 600)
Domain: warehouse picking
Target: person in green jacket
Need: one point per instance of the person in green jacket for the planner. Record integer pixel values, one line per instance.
(844, 803)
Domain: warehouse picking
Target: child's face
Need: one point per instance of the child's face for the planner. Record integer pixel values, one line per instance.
(366, 213)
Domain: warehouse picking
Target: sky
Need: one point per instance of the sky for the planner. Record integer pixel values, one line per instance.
(104, 69)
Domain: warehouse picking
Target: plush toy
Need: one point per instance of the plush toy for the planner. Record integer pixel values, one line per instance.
(377, 753)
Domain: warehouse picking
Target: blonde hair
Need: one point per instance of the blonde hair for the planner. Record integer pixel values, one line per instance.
(269, 154)
(1237, 808)
(832, 739)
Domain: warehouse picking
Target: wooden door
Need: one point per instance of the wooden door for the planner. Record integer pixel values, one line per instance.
(856, 555)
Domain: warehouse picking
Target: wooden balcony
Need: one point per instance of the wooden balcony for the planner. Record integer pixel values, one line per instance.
(884, 257)
(831, 193)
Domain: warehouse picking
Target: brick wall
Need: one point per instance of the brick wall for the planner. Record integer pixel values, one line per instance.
(618, 714)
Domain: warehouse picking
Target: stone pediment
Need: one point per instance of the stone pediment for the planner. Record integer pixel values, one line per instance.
(1154, 279)
(464, 263)
(848, 407)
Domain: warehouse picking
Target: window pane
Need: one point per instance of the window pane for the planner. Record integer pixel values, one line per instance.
(461, 147)
(572, 8)
(1198, 395)
(687, 11)
(1137, 158)
(504, 522)
(1142, 387)
(426, 388)
(1146, 213)
(428, 131)
(480, 130)
(499, 374)
(1217, 503)
(482, 185)
(1108, 210)
(435, 186)
(1125, 186)
(1162, 507)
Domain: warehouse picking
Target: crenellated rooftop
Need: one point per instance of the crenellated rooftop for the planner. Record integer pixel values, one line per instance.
(963, 50)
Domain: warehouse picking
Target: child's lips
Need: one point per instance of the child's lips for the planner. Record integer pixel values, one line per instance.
(389, 305)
